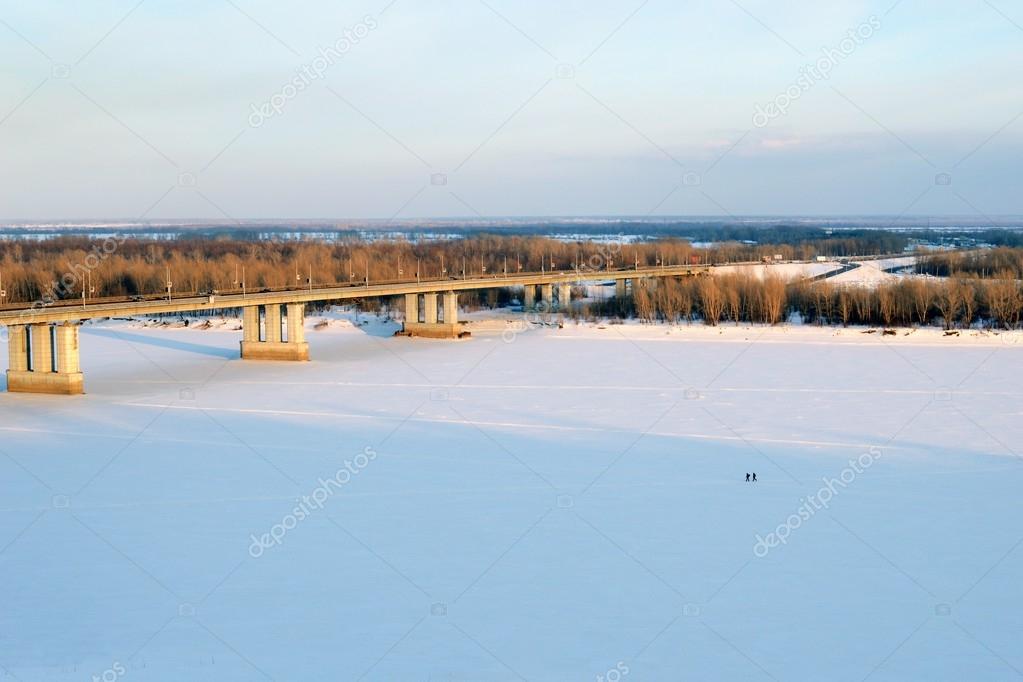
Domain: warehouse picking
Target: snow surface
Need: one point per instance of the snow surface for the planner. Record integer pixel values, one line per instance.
(872, 272)
(898, 261)
(553, 504)
(786, 271)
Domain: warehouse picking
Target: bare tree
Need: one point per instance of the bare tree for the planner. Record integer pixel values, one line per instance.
(948, 301)
(1003, 299)
(642, 301)
(733, 299)
(922, 298)
(886, 303)
(863, 299)
(845, 305)
(712, 302)
(685, 300)
(774, 299)
(967, 301)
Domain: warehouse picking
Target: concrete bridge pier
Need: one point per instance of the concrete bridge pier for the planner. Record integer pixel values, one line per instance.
(411, 309)
(272, 344)
(564, 296)
(444, 327)
(17, 349)
(34, 367)
(272, 332)
(547, 297)
(621, 288)
(430, 308)
(450, 310)
(529, 297)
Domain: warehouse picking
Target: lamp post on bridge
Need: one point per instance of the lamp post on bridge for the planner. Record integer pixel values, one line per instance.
(87, 288)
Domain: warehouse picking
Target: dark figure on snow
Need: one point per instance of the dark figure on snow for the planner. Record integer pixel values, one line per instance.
(747, 477)
(754, 477)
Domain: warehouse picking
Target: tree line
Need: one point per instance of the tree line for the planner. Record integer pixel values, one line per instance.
(737, 298)
(1001, 263)
(979, 286)
(64, 267)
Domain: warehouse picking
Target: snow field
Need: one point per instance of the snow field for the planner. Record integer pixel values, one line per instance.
(555, 507)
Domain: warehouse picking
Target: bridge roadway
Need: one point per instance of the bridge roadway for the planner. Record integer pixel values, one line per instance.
(43, 339)
(69, 311)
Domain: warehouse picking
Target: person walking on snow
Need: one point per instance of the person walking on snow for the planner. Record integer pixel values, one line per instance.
(754, 477)
(747, 477)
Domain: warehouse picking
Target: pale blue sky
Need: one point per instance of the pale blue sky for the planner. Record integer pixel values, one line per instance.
(96, 126)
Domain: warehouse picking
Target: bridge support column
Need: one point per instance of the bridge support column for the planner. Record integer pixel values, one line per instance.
(430, 308)
(529, 297)
(68, 360)
(296, 326)
(432, 327)
(273, 346)
(17, 348)
(620, 288)
(250, 323)
(450, 308)
(564, 296)
(32, 366)
(272, 323)
(41, 336)
(411, 309)
(547, 297)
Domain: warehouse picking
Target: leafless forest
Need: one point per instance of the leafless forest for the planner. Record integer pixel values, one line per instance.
(954, 289)
(60, 267)
(958, 301)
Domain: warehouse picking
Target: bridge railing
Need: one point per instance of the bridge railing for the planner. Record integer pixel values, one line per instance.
(582, 273)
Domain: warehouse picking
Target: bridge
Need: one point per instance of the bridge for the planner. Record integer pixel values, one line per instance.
(43, 341)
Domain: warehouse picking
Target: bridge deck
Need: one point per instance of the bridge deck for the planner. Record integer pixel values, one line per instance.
(69, 311)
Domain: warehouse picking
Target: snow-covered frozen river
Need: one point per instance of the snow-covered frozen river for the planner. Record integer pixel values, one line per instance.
(556, 505)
